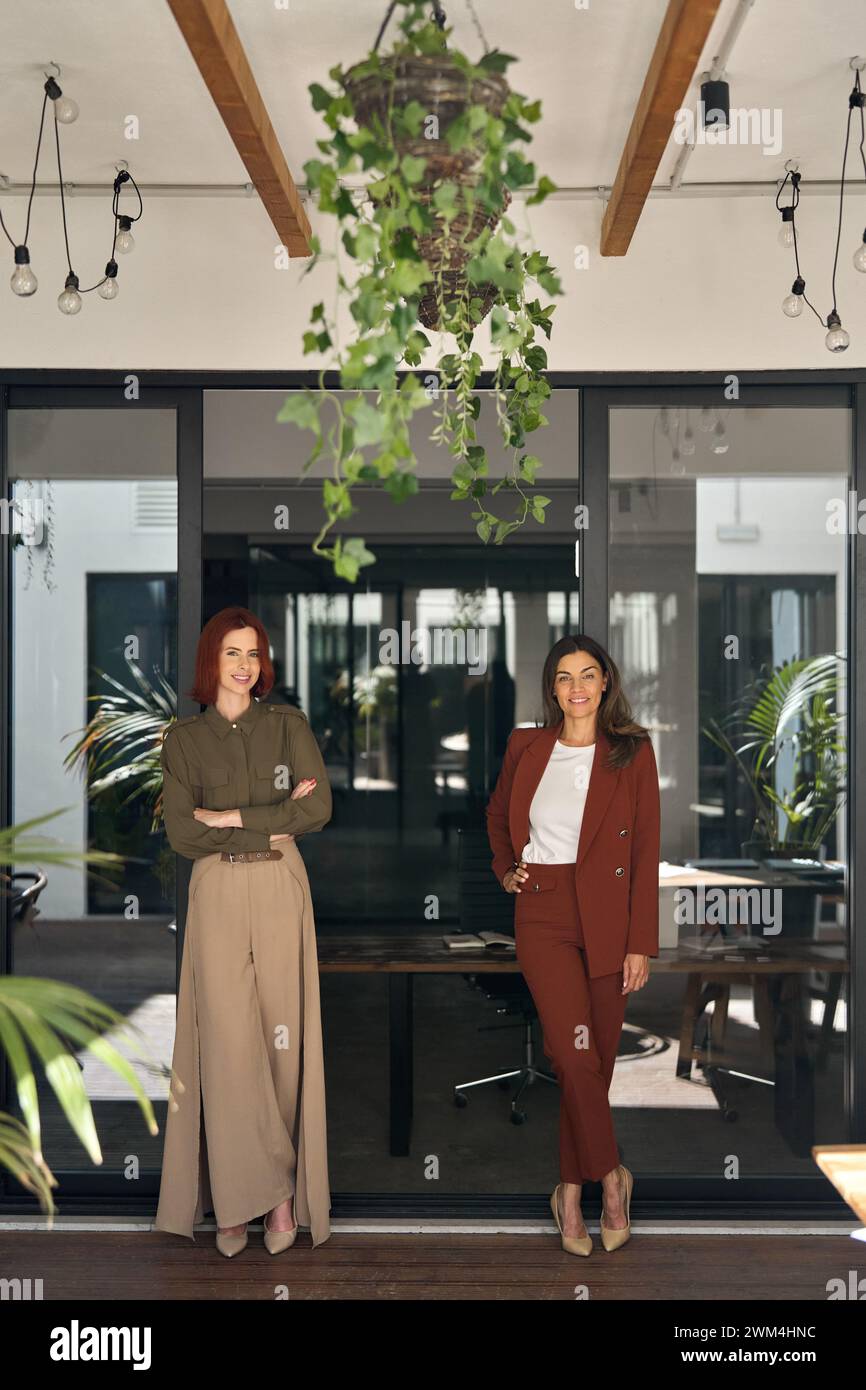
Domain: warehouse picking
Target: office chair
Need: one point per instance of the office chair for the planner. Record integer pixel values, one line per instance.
(484, 906)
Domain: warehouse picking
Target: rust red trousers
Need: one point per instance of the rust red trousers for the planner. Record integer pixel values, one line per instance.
(581, 1019)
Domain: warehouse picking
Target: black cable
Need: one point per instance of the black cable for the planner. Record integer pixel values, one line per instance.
(35, 167)
(794, 204)
(10, 239)
(842, 191)
(391, 8)
(62, 199)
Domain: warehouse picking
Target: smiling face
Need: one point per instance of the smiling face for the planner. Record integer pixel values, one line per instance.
(239, 660)
(578, 685)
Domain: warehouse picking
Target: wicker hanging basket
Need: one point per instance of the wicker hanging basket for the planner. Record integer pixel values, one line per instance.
(442, 90)
(454, 286)
(447, 245)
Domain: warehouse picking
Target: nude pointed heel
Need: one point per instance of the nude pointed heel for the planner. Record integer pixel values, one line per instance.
(231, 1245)
(277, 1241)
(573, 1245)
(612, 1239)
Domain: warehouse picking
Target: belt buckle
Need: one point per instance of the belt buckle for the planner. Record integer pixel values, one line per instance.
(231, 857)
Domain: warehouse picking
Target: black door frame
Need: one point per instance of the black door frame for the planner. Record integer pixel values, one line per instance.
(801, 1198)
(90, 1185)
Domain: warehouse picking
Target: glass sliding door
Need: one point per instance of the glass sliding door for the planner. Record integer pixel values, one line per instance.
(412, 680)
(727, 573)
(93, 629)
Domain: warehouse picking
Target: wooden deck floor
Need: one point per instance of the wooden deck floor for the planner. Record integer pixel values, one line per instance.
(106, 1266)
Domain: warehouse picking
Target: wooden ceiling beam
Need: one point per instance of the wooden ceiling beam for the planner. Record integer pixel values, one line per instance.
(684, 32)
(214, 43)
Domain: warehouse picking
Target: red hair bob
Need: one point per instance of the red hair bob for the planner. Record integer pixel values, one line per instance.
(208, 652)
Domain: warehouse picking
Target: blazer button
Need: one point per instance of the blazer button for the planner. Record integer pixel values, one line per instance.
(535, 888)
(620, 872)
(623, 833)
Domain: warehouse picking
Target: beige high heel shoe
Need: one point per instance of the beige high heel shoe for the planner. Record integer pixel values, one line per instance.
(613, 1239)
(231, 1245)
(573, 1245)
(277, 1241)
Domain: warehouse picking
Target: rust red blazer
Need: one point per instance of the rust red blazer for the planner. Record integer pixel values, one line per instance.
(617, 866)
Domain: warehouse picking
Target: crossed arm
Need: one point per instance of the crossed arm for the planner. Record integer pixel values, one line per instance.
(195, 832)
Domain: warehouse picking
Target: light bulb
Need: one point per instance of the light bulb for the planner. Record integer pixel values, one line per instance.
(792, 304)
(109, 288)
(860, 256)
(676, 465)
(125, 241)
(69, 300)
(705, 420)
(720, 439)
(688, 444)
(23, 281)
(786, 235)
(66, 110)
(837, 339)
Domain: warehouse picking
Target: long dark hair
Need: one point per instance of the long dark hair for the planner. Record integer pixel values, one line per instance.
(614, 716)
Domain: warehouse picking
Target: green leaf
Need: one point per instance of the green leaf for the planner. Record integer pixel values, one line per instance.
(368, 421)
(495, 61)
(445, 200)
(409, 118)
(407, 277)
(321, 98)
(545, 186)
(300, 409)
(401, 485)
(527, 467)
(413, 168)
(349, 556)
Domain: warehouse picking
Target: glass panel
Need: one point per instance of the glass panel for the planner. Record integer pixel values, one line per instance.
(726, 580)
(412, 680)
(94, 621)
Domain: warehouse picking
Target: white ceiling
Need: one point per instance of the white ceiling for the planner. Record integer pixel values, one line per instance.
(127, 57)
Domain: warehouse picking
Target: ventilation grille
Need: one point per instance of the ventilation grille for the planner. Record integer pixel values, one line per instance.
(155, 505)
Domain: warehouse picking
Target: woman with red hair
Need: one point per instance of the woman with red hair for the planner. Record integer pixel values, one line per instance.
(245, 1132)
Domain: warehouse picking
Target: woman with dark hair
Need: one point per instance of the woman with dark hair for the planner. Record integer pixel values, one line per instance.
(574, 826)
(245, 1132)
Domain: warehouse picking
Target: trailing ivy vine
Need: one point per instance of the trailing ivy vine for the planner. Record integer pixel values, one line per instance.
(425, 233)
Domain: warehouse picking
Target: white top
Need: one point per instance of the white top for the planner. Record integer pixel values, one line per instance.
(556, 812)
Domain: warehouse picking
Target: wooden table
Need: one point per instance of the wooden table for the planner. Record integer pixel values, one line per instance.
(401, 958)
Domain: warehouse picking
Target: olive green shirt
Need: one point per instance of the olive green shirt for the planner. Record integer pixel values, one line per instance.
(251, 764)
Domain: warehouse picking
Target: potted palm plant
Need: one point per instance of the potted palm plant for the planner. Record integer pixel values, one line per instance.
(790, 711)
(787, 725)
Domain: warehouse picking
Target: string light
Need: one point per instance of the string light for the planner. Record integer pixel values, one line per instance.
(23, 281)
(837, 338)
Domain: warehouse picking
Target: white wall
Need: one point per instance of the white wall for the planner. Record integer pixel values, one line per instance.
(699, 290)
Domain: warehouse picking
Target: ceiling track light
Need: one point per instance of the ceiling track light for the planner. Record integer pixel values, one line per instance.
(23, 282)
(837, 338)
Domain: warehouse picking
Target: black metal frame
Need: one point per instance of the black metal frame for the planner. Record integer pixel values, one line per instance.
(801, 1198)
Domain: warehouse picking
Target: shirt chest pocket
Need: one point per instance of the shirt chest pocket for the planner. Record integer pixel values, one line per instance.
(271, 783)
(213, 783)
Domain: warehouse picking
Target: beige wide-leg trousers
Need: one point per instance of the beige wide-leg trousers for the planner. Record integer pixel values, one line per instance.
(249, 1129)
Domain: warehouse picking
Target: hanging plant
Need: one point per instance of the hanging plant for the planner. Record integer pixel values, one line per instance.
(439, 142)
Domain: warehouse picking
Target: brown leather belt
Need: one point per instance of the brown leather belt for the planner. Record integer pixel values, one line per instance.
(250, 856)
